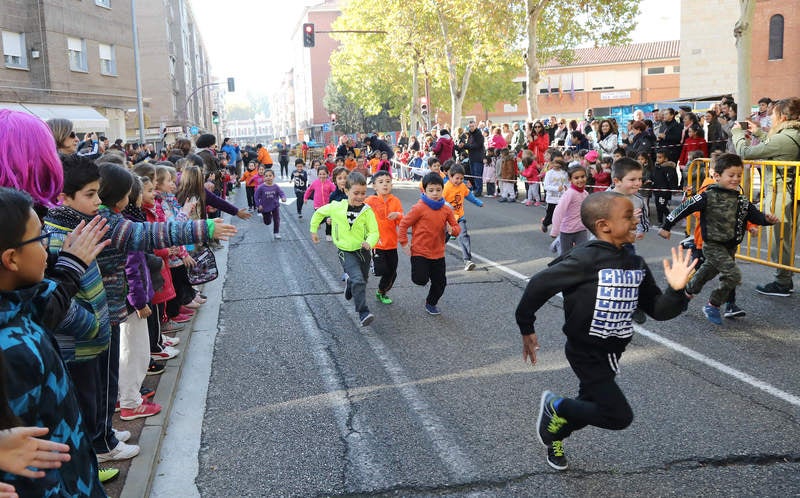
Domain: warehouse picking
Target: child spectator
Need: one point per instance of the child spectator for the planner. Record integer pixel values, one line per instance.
(321, 189)
(268, 197)
(350, 162)
(355, 232)
(602, 179)
(250, 182)
(724, 211)
(646, 191)
(530, 172)
(490, 174)
(555, 182)
(388, 213)
(35, 378)
(598, 328)
(429, 219)
(508, 178)
(299, 180)
(455, 192)
(359, 165)
(665, 178)
(330, 164)
(567, 224)
(695, 141)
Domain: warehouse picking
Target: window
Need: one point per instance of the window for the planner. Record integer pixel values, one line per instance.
(14, 49)
(776, 37)
(76, 47)
(676, 69)
(103, 3)
(523, 88)
(655, 70)
(108, 60)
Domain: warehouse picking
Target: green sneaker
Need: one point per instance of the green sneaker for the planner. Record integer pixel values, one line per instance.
(107, 474)
(383, 298)
(555, 455)
(549, 422)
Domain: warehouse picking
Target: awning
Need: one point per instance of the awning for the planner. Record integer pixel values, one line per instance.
(84, 118)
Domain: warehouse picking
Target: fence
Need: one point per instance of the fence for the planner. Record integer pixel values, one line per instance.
(770, 185)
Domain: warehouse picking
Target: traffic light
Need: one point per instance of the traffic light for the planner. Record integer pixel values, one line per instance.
(333, 117)
(423, 105)
(308, 34)
(231, 85)
(215, 117)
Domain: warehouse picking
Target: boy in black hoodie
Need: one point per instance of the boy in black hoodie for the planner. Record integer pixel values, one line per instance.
(616, 281)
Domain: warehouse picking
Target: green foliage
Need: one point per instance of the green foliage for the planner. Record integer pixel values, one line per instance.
(239, 111)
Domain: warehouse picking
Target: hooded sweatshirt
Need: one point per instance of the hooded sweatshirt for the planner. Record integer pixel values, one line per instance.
(348, 232)
(602, 285)
(382, 207)
(428, 220)
(443, 149)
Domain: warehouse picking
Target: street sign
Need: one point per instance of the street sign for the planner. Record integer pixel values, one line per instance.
(194, 130)
(326, 127)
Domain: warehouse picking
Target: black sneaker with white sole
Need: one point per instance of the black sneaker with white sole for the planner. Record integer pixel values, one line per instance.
(366, 318)
(774, 289)
(555, 456)
(348, 292)
(733, 311)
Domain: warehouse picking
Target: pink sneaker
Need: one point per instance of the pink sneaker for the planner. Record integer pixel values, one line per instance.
(181, 318)
(146, 409)
(192, 305)
(199, 299)
(186, 311)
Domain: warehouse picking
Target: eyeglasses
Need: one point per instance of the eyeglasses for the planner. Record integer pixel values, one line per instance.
(43, 239)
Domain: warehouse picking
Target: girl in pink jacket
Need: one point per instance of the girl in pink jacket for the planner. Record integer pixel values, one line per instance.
(321, 189)
(567, 223)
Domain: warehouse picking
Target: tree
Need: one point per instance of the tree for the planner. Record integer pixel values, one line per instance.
(238, 111)
(554, 27)
(349, 116)
(743, 32)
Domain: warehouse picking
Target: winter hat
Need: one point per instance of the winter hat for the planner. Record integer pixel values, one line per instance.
(443, 131)
(591, 156)
(685, 108)
(205, 141)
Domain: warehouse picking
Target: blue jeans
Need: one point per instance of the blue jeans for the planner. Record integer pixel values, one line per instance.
(356, 265)
(476, 170)
(463, 240)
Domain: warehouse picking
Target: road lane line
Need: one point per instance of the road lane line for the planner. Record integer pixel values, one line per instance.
(455, 459)
(677, 347)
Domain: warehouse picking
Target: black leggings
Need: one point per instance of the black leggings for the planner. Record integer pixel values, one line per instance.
(548, 216)
(299, 195)
(184, 292)
(600, 401)
(424, 269)
(251, 193)
(385, 264)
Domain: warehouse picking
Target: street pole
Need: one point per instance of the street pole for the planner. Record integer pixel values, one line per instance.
(743, 33)
(139, 104)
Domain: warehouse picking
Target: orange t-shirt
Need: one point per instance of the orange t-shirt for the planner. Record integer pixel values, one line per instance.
(350, 164)
(382, 207)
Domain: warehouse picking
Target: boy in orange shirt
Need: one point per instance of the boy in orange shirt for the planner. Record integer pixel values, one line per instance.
(388, 211)
(350, 163)
(454, 193)
(429, 220)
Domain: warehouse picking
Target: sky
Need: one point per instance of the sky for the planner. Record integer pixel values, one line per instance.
(249, 39)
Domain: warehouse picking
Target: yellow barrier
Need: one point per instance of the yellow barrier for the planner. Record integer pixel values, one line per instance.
(767, 184)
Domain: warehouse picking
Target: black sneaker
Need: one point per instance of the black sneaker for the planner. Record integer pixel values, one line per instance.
(156, 367)
(774, 289)
(549, 422)
(366, 318)
(638, 316)
(733, 311)
(555, 456)
(348, 292)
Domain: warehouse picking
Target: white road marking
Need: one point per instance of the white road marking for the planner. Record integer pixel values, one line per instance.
(710, 362)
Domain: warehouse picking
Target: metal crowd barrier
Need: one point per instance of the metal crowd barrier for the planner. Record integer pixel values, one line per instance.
(767, 184)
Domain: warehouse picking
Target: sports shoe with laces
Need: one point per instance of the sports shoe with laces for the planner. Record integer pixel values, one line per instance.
(166, 353)
(383, 298)
(733, 311)
(122, 451)
(106, 474)
(366, 318)
(774, 289)
(146, 409)
(348, 292)
(186, 311)
(432, 310)
(121, 435)
(156, 367)
(469, 266)
(171, 326)
(555, 455)
(181, 318)
(549, 422)
(277, 236)
(170, 341)
(712, 313)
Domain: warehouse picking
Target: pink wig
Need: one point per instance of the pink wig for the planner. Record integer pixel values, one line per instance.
(28, 157)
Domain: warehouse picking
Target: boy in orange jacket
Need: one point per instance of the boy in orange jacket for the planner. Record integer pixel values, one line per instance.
(429, 220)
(389, 212)
(455, 192)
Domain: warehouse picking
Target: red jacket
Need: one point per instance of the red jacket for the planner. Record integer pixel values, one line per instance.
(155, 214)
(690, 144)
(538, 146)
(444, 148)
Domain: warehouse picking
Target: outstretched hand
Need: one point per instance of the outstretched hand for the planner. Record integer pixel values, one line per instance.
(681, 268)
(223, 231)
(84, 242)
(20, 449)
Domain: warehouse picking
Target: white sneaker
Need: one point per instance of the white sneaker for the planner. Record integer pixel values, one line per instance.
(328, 238)
(121, 435)
(167, 353)
(170, 341)
(277, 236)
(469, 266)
(122, 451)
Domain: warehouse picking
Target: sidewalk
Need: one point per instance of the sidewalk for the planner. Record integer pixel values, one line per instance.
(136, 475)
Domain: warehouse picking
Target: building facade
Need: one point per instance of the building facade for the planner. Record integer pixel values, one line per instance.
(69, 59)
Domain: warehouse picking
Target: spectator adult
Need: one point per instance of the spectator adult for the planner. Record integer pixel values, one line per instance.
(227, 147)
(413, 144)
(782, 143)
(507, 133)
(539, 143)
(640, 142)
(64, 135)
(28, 160)
(669, 140)
(475, 149)
(762, 116)
(714, 135)
(345, 147)
(496, 140)
(658, 122)
(376, 144)
(263, 156)
(607, 139)
(586, 124)
(560, 135)
(402, 142)
(443, 149)
(517, 139)
(283, 157)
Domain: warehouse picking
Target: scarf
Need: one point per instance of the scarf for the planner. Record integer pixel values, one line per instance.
(572, 186)
(435, 205)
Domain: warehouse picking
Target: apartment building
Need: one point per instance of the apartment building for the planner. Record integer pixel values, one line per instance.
(69, 59)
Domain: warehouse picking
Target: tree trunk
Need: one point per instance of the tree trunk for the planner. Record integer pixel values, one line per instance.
(457, 92)
(535, 8)
(413, 115)
(743, 32)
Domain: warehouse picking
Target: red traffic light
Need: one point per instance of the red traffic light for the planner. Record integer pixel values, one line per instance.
(308, 34)
(423, 100)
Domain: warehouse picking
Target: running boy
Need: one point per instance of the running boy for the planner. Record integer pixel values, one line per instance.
(268, 197)
(429, 219)
(388, 213)
(299, 180)
(355, 232)
(602, 283)
(724, 213)
(454, 193)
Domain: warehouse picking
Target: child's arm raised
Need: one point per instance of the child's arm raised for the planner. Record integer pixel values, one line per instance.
(687, 207)
(670, 303)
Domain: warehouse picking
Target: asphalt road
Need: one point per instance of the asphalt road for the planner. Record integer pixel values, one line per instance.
(304, 402)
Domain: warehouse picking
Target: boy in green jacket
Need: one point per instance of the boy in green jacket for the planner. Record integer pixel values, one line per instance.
(355, 231)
